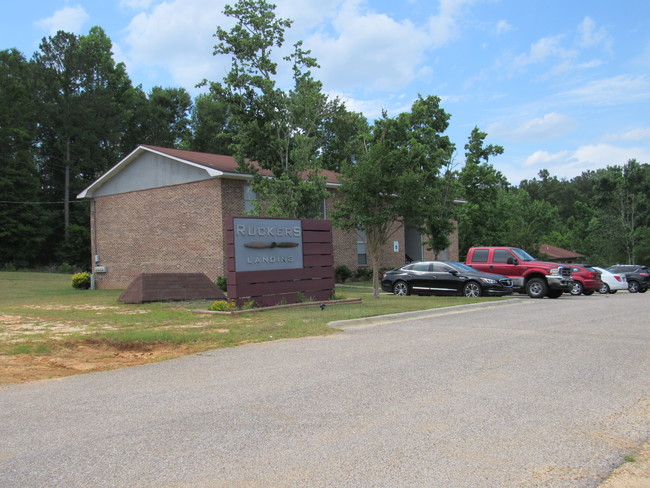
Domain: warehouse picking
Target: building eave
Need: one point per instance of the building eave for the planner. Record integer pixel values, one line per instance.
(137, 152)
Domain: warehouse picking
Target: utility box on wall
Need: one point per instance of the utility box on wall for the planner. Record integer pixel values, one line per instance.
(273, 261)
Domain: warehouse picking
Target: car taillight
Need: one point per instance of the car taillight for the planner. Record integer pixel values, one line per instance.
(618, 278)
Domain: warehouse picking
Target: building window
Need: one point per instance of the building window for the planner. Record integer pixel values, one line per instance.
(362, 257)
(249, 199)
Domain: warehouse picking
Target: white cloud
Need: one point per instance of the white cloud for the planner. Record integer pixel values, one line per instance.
(68, 19)
(568, 164)
(503, 26)
(177, 36)
(136, 4)
(544, 159)
(612, 91)
(444, 26)
(602, 155)
(368, 50)
(642, 134)
(550, 126)
(542, 50)
(591, 36)
(359, 48)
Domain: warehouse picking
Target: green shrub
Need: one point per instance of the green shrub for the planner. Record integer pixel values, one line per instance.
(66, 268)
(342, 273)
(363, 274)
(81, 281)
(248, 305)
(222, 283)
(223, 306)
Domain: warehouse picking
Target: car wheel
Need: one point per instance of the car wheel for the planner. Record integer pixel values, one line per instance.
(401, 289)
(577, 288)
(633, 286)
(536, 288)
(605, 289)
(472, 289)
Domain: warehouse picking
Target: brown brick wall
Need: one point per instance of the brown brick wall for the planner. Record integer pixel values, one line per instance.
(173, 229)
(180, 229)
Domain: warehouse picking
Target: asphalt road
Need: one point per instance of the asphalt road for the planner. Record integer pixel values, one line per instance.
(532, 393)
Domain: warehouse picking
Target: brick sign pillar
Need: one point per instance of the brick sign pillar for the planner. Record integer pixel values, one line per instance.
(274, 261)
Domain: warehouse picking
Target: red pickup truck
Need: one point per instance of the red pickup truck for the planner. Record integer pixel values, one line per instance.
(536, 278)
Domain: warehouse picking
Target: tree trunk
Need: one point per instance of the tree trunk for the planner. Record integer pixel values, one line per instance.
(66, 193)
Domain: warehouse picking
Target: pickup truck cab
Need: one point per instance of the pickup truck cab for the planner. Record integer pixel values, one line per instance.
(536, 278)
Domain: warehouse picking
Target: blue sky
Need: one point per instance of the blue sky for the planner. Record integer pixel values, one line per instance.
(562, 85)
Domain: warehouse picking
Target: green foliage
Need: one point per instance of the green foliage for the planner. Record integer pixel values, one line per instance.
(211, 124)
(301, 298)
(248, 305)
(342, 272)
(363, 274)
(603, 214)
(284, 132)
(22, 234)
(223, 306)
(81, 281)
(222, 283)
(480, 219)
(393, 178)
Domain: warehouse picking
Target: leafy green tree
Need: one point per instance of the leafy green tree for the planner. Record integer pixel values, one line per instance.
(621, 197)
(559, 192)
(280, 130)
(21, 211)
(342, 131)
(167, 117)
(82, 94)
(211, 125)
(391, 180)
(529, 221)
(481, 185)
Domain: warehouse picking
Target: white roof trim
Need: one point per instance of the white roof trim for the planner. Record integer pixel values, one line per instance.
(130, 158)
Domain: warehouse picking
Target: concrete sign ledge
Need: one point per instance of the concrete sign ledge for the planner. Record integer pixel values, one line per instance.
(420, 314)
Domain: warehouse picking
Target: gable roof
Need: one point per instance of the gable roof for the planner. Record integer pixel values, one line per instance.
(558, 253)
(216, 166)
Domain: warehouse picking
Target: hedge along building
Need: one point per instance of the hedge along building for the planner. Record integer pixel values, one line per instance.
(164, 210)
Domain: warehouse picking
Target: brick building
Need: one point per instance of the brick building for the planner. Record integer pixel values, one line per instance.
(162, 210)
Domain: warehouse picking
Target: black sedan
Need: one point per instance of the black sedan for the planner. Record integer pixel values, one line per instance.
(444, 278)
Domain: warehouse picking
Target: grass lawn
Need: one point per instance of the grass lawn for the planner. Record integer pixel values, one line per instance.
(49, 329)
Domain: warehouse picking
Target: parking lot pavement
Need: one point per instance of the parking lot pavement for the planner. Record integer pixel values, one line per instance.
(534, 393)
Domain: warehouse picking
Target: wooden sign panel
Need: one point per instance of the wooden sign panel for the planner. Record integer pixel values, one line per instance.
(274, 261)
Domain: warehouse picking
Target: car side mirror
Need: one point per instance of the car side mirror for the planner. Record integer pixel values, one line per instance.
(512, 261)
(453, 272)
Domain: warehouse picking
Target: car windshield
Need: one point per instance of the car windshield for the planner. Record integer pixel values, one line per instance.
(461, 266)
(523, 255)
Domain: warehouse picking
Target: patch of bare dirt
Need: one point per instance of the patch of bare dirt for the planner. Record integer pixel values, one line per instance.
(83, 358)
(633, 474)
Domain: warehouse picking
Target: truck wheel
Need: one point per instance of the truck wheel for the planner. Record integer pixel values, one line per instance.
(401, 289)
(472, 289)
(536, 288)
